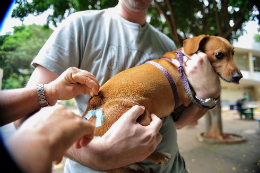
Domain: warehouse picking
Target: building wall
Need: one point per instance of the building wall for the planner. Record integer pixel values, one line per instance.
(231, 92)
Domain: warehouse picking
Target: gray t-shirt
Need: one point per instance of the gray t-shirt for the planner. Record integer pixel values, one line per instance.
(104, 43)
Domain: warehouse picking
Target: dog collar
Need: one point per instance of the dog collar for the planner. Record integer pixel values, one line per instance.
(168, 76)
(186, 83)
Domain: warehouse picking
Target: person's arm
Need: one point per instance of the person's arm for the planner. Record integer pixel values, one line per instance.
(126, 142)
(191, 114)
(17, 103)
(205, 83)
(68, 85)
(45, 137)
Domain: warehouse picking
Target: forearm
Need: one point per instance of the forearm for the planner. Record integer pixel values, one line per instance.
(18, 103)
(90, 156)
(96, 156)
(192, 113)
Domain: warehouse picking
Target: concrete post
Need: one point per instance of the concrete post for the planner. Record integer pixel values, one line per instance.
(251, 65)
(1, 76)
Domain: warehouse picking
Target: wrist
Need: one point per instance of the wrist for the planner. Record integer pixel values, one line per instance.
(49, 94)
(97, 151)
(90, 155)
(208, 93)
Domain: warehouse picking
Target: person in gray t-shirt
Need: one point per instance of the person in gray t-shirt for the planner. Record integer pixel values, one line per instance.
(105, 42)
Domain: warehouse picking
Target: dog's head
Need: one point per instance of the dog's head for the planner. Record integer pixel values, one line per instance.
(220, 53)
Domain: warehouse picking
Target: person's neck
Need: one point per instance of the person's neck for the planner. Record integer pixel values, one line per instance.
(135, 17)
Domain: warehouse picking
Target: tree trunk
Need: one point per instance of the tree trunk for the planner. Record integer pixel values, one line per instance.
(214, 123)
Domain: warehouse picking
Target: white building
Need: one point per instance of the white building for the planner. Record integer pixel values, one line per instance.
(247, 58)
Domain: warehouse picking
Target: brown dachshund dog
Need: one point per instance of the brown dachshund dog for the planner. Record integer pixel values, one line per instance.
(146, 85)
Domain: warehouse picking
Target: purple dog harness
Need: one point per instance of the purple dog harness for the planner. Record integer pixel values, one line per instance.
(168, 76)
(183, 78)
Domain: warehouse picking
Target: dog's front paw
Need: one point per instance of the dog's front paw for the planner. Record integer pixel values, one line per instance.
(159, 157)
(134, 168)
(167, 157)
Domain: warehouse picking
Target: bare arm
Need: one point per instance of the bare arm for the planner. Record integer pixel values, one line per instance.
(68, 85)
(12, 104)
(191, 114)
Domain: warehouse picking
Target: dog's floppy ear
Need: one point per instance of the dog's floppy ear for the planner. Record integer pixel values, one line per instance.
(191, 45)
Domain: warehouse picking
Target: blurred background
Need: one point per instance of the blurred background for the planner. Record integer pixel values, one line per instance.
(223, 140)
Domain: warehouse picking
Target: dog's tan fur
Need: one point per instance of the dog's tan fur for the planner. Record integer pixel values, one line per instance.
(147, 86)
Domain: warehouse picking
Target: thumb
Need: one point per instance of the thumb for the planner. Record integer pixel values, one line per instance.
(176, 62)
(134, 112)
(58, 160)
(84, 89)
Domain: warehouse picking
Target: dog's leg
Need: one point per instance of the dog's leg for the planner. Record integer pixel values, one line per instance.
(159, 157)
(112, 111)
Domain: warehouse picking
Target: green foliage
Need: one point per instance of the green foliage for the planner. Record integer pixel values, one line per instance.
(224, 18)
(61, 8)
(177, 19)
(257, 37)
(17, 51)
(70, 102)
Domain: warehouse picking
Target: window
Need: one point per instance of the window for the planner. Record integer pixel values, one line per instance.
(241, 61)
(256, 61)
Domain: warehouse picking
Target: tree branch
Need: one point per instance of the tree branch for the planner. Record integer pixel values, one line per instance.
(217, 18)
(239, 21)
(157, 5)
(174, 28)
(225, 14)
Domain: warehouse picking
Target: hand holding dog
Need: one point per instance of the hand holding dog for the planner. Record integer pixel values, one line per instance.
(71, 83)
(200, 75)
(126, 142)
(44, 137)
(132, 138)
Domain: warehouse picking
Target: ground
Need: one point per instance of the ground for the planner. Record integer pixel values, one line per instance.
(202, 157)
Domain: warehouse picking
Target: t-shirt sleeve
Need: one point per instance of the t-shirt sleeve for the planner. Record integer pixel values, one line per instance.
(64, 47)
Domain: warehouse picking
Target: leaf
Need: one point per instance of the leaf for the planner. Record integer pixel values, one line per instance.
(218, 169)
(233, 168)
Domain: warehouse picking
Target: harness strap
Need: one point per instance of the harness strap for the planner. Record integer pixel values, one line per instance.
(168, 76)
(185, 80)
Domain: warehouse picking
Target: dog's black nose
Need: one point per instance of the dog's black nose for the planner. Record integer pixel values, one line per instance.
(236, 76)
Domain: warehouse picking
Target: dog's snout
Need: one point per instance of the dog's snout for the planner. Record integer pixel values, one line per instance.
(236, 76)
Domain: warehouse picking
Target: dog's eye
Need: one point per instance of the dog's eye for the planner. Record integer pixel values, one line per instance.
(233, 53)
(219, 55)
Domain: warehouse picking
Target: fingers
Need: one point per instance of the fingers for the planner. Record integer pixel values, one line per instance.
(134, 112)
(75, 75)
(176, 62)
(155, 126)
(156, 123)
(87, 137)
(57, 161)
(186, 58)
